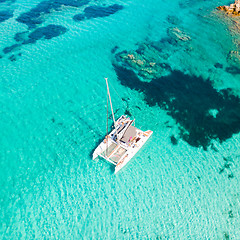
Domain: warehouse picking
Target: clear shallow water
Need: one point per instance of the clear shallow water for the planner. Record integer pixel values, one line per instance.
(53, 115)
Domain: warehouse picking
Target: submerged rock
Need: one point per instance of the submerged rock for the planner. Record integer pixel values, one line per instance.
(48, 32)
(5, 15)
(97, 11)
(23, 38)
(152, 59)
(233, 58)
(174, 141)
(178, 35)
(147, 60)
(218, 65)
(36, 15)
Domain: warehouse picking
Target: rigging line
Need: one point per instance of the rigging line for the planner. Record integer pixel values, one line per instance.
(110, 101)
(107, 126)
(118, 95)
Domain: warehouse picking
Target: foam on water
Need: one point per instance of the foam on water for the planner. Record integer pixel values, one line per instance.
(52, 116)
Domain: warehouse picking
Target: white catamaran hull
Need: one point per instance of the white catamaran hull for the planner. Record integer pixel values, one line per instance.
(102, 147)
(123, 142)
(118, 152)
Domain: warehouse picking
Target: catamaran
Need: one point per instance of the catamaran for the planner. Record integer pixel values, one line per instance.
(123, 142)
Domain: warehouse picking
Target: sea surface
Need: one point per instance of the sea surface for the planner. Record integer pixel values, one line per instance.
(183, 184)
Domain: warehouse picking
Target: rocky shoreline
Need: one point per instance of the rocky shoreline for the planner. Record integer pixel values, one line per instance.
(233, 24)
(233, 8)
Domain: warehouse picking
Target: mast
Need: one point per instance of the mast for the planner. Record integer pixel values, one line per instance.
(110, 102)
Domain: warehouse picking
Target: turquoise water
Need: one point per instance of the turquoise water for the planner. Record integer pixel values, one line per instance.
(53, 110)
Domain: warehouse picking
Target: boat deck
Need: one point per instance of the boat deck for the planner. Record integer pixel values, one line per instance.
(122, 143)
(116, 150)
(113, 152)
